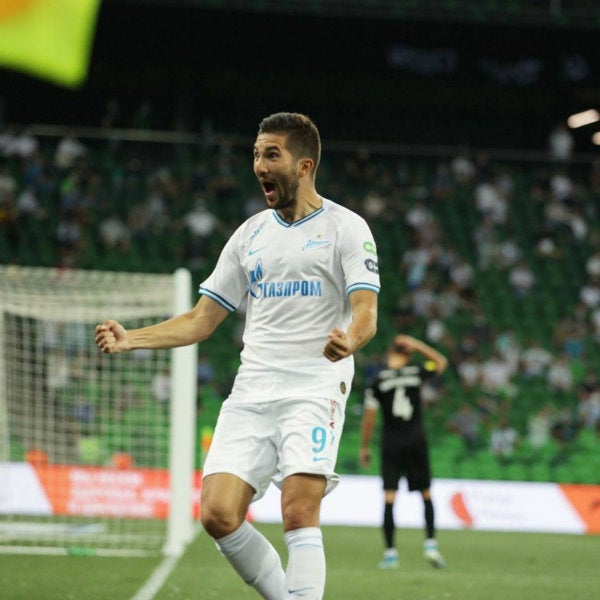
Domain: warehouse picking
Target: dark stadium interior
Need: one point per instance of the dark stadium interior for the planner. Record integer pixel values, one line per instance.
(479, 82)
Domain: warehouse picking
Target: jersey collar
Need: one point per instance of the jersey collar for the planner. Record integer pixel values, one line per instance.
(301, 221)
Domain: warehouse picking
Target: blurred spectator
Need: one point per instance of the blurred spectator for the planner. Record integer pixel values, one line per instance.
(8, 185)
(68, 151)
(253, 204)
(68, 234)
(546, 245)
(28, 208)
(424, 298)
(7, 136)
(466, 423)
(161, 387)
(200, 221)
(114, 233)
(508, 253)
(84, 413)
(359, 168)
(521, 279)
(561, 186)
(487, 408)
(205, 371)
(539, 427)
(565, 428)
(469, 372)
(23, 144)
(487, 200)
(468, 346)
(462, 275)
(535, 360)
(570, 336)
(561, 143)
(200, 179)
(560, 376)
(374, 206)
(449, 301)
(588, 409)
(462, 168)
(595, 322)
(418, 216)
(592, 265)
(480, 328)
(485, 238)
(57, 376)
(202, 225)
(38, 174)
(504, 440)
(496, 375)
(7, 205)
(508, 347)
(224, 183)
(590, 292)
(415, 263)
(436, 331)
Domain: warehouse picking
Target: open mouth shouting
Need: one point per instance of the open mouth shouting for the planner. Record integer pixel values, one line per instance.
(269, 190)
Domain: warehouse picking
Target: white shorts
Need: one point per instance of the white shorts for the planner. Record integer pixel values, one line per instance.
(260, 442)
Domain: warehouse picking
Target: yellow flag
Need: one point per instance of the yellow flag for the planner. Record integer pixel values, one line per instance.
(50, 39)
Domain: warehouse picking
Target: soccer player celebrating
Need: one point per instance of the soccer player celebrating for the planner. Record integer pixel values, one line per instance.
(308, 269)
(404, 447)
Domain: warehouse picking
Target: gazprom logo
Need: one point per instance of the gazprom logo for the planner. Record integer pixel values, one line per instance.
(260, 288)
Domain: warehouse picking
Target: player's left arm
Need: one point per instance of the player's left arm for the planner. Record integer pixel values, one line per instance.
(363, 327)
(414, 345)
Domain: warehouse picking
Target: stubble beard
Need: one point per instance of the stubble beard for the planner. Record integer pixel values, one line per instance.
(288, 195)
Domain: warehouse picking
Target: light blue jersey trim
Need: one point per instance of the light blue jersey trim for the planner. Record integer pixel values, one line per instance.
(363, 286)
(300, 222)
(218, 299)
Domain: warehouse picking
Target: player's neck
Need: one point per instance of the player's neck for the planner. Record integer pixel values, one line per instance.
(305, 205)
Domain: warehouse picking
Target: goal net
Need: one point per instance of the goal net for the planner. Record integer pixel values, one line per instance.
(96, 456)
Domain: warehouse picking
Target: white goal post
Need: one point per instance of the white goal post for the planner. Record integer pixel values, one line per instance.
(96, 451)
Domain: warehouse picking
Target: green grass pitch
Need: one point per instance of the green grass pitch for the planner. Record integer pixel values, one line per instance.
(481, 566)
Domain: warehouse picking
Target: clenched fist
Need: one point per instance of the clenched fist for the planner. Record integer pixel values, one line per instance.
(111, 337)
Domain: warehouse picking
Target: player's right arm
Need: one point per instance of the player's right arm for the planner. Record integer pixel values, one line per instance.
(367, 426)
(188, 328)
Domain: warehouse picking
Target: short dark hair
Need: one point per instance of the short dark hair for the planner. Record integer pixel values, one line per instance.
(303, 137)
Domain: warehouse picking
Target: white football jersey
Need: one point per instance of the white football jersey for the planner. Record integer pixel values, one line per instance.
(297, 278)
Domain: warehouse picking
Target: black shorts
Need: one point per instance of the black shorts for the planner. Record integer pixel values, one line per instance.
(402, 460)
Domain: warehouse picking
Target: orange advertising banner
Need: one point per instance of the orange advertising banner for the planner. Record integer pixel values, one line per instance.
(106, 492)
(586, 501)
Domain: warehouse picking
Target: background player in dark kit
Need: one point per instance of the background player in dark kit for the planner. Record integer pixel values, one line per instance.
(404, 448)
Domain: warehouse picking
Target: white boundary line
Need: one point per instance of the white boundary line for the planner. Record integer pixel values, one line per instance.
(155, 582)
(157, 579)
(60, 551)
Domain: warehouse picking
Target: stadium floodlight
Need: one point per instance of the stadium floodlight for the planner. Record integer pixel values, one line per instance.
(91, 459)
(587, 117)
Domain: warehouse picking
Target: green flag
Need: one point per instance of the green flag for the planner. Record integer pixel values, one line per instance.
(50, 39)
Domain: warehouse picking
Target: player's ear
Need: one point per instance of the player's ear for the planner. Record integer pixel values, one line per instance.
(305, 166)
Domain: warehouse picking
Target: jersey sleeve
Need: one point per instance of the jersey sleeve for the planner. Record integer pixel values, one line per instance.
(359, 257)
(227, 284)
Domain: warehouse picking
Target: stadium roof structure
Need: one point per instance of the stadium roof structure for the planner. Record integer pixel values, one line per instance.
(559, 13)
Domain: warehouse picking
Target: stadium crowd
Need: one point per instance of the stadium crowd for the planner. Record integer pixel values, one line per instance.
(494, 262)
